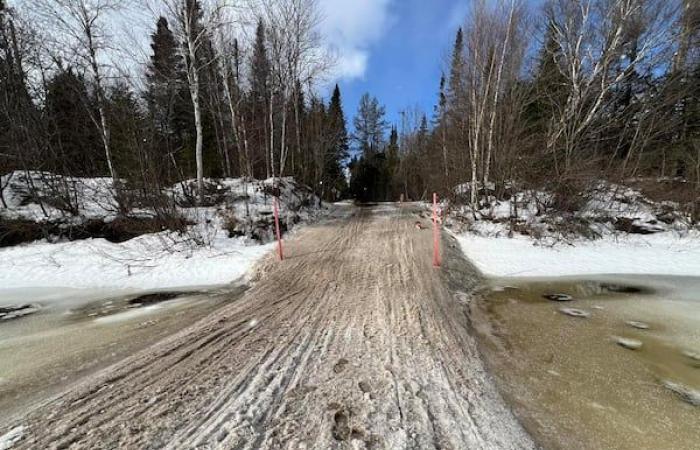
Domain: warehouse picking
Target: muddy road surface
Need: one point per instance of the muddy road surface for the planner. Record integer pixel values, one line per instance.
(355, 341)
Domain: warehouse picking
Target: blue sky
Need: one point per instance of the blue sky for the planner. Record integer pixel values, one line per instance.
(403, 61)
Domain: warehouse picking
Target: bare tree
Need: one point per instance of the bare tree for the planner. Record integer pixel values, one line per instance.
(83, 25)
(297, 58)
(591, 38)
(196, 24)
(494, 49)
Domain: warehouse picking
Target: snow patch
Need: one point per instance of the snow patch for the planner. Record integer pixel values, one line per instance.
(521, 256)
(220, 247)
(8, 440)
(613, 229)
(600, 210)
(157, 261)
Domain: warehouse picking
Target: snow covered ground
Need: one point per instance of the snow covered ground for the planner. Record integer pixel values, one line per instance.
(521, 256)
(217, 249)
(616, 230)
(147, 262)
(602, 209)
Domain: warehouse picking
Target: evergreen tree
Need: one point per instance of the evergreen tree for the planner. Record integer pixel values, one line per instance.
(338, 128)
(163, 76)
(393, 161)
(71, 113)
(441, 127)
(423, 130)
(128, 124)
(259, 100)
(15, 103)
(550, 85)
(369, 176)
(370, 125)
(169, 103)
(440, 108)
(455, 87)
(338, 142)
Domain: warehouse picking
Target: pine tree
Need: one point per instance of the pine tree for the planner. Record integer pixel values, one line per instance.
(20, 121)
(339, 132)
(71, 113)
(14, 95)
(164, 76)
(169, 102)
(393, 161)
(370, 125)
(550, 84)
(259, 100)
(441, 126)
(128, 123)
(455, 86)
(339, 142)
(423, 130)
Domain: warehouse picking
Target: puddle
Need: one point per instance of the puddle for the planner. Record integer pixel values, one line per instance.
(621, 376)
(129, 315)
(76, 333)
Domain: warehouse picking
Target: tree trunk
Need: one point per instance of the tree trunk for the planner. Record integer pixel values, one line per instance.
(283, 138)
(494, 106)
(193, 81)
(104, 130)
(272, 135)
(194, 92)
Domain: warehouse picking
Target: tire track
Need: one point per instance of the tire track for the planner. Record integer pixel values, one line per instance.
(355, 341)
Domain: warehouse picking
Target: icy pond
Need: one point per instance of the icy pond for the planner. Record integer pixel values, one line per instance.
(622, 371)
(76, 332)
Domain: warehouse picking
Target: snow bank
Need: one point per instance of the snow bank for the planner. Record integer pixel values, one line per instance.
(662, 254)
(24, 191)
(156, 261)
(611, 229)
(600, 210)
(220, 247)
(42, 197)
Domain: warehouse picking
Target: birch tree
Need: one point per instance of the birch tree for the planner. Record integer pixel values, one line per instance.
(81, 28)
(494, 47)
(297, 59)
(590, 37)
(195, 25)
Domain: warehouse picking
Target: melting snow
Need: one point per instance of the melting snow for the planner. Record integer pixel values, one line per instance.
(521, 256)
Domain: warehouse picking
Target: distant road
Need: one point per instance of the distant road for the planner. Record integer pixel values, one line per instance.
(355, 341)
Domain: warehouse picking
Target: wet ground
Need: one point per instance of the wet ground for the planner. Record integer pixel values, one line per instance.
(354, 341)
(75, 333)
(569, 379)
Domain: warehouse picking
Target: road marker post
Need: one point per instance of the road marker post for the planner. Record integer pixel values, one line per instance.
(277, 229)
(436, 233)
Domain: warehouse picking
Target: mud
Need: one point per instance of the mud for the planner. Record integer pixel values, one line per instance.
(620, 378)
(355, 341)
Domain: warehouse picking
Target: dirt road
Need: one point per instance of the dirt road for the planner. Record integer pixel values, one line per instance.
(355, 341)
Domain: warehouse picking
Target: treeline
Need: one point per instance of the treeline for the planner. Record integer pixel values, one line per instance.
(206, 104)
(552, 98)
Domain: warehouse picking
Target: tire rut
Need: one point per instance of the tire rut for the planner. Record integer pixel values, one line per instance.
(354, 341)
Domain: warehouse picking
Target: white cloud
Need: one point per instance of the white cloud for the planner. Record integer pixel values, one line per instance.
(350, 28)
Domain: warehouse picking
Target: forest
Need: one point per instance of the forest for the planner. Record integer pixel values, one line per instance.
(205, 105)
(552, 96)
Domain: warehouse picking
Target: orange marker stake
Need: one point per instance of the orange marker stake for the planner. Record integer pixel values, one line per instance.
(436, 234)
